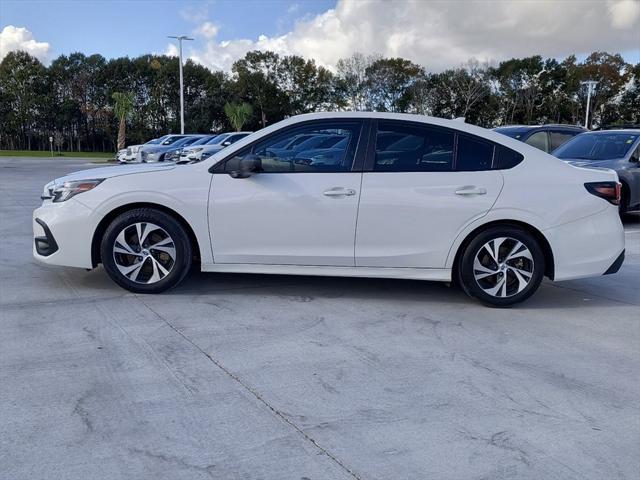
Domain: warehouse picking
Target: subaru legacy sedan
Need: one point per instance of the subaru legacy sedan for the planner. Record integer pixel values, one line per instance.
(407, 196)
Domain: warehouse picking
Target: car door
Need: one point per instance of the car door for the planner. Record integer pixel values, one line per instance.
(419, 191)
(297, 210)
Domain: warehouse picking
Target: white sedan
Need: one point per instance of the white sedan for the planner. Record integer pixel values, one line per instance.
(405, 196)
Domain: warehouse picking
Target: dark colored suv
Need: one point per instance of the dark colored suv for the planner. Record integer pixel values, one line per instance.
(545, 137)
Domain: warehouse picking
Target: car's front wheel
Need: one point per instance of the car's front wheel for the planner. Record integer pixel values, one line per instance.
(501, 266)
(146, 251)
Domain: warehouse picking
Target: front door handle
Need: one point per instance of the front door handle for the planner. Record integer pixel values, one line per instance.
(471, 190)
(339, 192)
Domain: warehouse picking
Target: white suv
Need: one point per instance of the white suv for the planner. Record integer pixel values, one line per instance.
(397, 196)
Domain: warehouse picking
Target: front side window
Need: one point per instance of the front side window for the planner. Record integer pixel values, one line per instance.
(412, 148)
(323, 147)
(474, 154)
(539, 140)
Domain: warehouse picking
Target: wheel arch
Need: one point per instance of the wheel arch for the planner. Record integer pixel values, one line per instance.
(542, 240)
(109, 217)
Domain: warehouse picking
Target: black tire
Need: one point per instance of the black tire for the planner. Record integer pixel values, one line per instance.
(171, 234)
(467, 272)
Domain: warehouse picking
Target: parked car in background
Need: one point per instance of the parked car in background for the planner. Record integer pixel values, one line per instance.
(192, 152)
(618, 150)
(545, 137)
(130, 154)
(444, 201)
(156, 153)
(173, 155)
(219, 143)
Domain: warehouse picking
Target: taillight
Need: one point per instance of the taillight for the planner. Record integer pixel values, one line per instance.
(610, 191)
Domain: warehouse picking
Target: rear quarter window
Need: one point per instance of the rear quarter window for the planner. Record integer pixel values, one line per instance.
(506, 158)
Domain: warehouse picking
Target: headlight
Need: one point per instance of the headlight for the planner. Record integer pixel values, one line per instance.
(61, 193)
(196, 150)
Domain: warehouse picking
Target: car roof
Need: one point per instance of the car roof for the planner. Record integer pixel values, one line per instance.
(632, 131)
(526, 128)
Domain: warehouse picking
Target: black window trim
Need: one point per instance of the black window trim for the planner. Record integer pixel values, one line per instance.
(371, 149)
(360, 147)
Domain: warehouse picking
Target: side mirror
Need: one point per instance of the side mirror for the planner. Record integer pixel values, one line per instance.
(226, 144)
(635, 157)
(247, 166)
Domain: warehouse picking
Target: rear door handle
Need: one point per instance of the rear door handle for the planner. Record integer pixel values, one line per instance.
(339, 192)
(471, 190)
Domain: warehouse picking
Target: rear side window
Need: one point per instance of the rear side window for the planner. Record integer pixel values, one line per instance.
(558, 138)
(539, 140)
(412, 148)
(506, 158)
(473, 154)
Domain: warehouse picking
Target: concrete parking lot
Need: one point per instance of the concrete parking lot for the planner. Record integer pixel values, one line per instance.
(276, 377)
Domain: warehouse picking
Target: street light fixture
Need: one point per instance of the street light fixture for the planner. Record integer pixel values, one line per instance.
(180, 38)
(591, 86)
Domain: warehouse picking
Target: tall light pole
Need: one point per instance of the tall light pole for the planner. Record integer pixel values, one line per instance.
(180, 38)
(591, 86)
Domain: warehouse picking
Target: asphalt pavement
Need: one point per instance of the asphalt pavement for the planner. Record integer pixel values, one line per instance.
(287, 377)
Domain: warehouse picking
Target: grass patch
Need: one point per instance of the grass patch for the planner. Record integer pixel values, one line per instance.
(45, 154)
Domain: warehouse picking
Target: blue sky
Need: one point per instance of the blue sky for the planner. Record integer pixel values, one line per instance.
(438, 34)
(119, 27)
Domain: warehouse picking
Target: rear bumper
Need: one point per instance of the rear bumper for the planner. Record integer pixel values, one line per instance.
(615, 266)
(587, 247)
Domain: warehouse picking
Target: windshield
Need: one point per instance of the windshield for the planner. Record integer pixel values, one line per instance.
(597, 146)
(203, 141)
(172, 139)
(186, 141)
(219, 139)
(512, 132)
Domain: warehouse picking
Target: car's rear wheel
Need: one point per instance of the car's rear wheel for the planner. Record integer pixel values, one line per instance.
(146, 251)
(502, 266)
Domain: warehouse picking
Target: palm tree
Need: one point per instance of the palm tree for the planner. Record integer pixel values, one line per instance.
(238, 114)
(122, 108)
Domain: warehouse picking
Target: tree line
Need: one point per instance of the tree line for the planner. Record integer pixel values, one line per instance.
(72, 99)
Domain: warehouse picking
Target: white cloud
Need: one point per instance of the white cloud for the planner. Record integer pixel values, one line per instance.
(19, 38)
(625, 14)
(208, 30)
(195, 14)
(441, 34)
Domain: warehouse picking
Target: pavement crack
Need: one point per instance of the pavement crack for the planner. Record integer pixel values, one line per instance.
(249, 389)
(208, 469)
(80, 409)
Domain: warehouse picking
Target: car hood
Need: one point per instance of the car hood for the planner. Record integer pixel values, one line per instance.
(115, 171)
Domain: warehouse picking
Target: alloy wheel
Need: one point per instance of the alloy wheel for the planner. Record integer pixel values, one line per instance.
(144, 252)
(503, 267)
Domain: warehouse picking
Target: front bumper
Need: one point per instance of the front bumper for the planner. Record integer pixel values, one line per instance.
(63, 233)
(45, 245)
